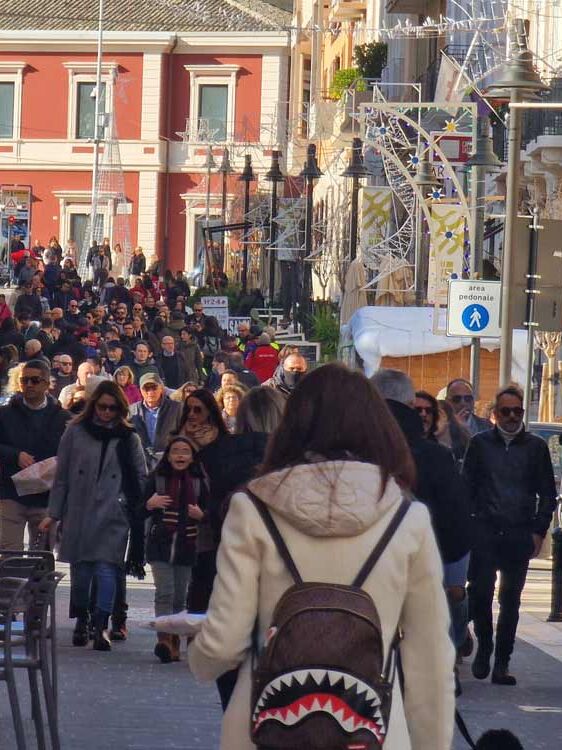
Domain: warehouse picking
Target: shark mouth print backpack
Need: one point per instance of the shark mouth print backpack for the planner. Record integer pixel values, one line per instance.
(321, 682)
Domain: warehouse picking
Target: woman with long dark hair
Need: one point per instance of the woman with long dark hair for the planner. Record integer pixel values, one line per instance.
(335, 474)
(97, 494)
(201, 419)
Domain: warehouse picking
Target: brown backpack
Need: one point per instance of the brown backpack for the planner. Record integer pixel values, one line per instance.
(321, 681)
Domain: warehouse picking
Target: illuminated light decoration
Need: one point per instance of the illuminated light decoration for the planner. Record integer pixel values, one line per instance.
(436, 194)
(414, 160)
(450, 126)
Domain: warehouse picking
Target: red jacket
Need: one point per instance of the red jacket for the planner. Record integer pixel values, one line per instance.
(263, 361)
(5, 312)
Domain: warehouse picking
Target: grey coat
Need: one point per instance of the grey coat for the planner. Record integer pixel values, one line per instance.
(92, 508)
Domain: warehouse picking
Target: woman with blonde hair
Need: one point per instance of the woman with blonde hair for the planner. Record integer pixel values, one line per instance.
(125, 377)
(335, 474)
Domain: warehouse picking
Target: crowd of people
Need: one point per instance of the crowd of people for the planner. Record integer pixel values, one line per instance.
(158, 418)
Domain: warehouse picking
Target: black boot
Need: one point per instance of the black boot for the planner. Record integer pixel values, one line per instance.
(118, 629)
(80, 634)
(501, 675)
(101, 637)
(481, 664)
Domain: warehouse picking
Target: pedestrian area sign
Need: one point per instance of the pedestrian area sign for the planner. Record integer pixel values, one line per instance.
(473, 308)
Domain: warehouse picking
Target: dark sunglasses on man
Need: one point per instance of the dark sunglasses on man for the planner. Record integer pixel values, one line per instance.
(467, 398)
(31, 379)
(517, 411)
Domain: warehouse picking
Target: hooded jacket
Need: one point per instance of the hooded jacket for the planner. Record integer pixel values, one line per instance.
(280, 381)
(330, 517)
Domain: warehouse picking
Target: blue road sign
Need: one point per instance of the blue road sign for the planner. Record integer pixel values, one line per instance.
(475, 317)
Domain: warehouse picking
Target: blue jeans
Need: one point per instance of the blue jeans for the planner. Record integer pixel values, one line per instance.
(81, 576)
(455, 576)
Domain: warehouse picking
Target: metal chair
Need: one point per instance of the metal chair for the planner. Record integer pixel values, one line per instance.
(13, 596)
(32, 564)
(35, 599)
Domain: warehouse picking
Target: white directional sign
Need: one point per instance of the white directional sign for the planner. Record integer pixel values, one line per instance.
(474, 308)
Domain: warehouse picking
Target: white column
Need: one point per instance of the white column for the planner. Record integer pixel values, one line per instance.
(274, 93)
(148, 205)
(151, 96)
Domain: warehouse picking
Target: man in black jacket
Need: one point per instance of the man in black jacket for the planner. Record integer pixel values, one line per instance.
(31, 427)
(513, 496)
(438, 483)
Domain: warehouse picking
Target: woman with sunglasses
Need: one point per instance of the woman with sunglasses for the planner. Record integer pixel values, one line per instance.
(97, 495)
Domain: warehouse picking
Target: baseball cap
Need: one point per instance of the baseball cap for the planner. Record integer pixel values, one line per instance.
(150, 377)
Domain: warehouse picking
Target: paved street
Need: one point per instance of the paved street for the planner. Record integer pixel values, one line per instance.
(127, 700)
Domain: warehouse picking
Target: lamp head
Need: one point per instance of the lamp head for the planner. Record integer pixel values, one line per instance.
(356, 167)
(274, 174)
(311, 169)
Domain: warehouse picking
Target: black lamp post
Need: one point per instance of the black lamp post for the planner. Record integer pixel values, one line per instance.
(274, 176)
(356, 170)
(225, 169)
(310, 172)
(246, 177)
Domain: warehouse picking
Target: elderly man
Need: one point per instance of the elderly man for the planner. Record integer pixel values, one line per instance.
(513, 496)
(33, 350)
(31, 427)
(85, 371)
(171, 364)
(155, 417)
(288, 374)
(460, 395)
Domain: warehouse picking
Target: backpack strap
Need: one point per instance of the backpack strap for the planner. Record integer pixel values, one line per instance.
(382, 544)
(276, 536)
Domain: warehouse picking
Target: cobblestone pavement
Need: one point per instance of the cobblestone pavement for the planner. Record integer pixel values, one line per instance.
(126, 700)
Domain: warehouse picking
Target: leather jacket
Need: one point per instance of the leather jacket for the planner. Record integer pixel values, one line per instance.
(510, 485)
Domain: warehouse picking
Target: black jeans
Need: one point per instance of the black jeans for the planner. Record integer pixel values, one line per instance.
(506, 551)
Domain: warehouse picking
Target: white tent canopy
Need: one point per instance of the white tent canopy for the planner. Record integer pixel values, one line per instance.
(379, 332)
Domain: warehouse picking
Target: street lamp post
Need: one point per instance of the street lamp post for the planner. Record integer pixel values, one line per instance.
(97, 139)
(356, 170)
(275, 176)
(246, 177)
(310, 172)
(208, 165)
(519, 80)
(482, 160)
(225, 169)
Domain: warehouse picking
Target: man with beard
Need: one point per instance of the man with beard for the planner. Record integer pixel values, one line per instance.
(288, 374)
(513, 496)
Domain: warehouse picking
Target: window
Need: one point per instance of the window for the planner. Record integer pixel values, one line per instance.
(213, 109)
(212, 103)
(81, 103)
(86, 107)
(7, 91)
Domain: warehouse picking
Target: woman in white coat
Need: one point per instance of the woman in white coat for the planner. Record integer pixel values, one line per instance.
(333, 478)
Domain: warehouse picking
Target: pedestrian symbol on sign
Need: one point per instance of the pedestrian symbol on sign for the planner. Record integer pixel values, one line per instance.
(475, 318)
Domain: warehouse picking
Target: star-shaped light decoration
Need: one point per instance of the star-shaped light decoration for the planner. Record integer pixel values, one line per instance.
(450, 126)
(449, 234)
(436, 194)
(414, 160)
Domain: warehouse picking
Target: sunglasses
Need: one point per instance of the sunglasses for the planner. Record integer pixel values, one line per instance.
(458, 399)
(33, 379)
(107, 407)
(194, 410)
(420, 409)
(517, 411)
